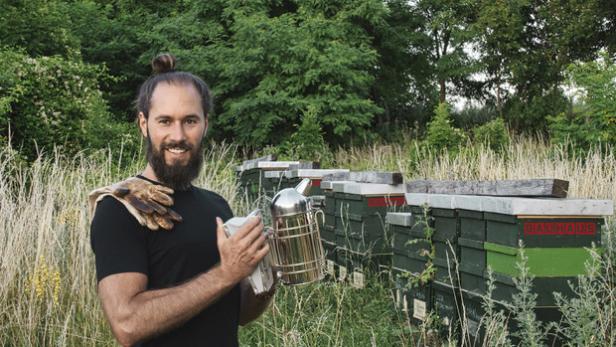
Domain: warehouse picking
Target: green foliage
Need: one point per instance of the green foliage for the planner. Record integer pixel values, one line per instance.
(441, 134)
(307, 143)
(493, 134)
(52, 101)
(593, 121)
(530, 115)
(270, 64)
(40, 27)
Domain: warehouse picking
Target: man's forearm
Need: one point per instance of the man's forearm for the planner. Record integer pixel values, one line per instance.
(252, 306)
(153, 312)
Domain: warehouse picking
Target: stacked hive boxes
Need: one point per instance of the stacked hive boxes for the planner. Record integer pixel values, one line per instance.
(328, 232)
(487, 233)
(259, 177)
(411, 255)
(361, 237)
(555, 234)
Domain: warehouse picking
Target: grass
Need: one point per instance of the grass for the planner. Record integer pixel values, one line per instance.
(47, 277)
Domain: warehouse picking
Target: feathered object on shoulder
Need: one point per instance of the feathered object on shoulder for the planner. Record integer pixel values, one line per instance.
(149, 203)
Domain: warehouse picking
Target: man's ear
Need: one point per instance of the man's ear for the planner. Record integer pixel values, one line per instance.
(143, 124)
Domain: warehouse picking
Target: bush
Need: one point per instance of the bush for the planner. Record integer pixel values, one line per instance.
(530, 114)
(441, 134)
(52, 101)
(307, 143)
(593, 121)
(493, 134)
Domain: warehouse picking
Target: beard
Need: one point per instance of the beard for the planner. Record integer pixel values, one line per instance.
(177, 176)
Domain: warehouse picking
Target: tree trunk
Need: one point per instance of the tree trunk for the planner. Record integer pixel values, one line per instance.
(441, 84)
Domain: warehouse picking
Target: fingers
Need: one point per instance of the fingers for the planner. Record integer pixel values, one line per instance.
(261, 253)
(120, 191)
(163, 189)
(253, 235)
(257, 244)
(246, 228)
(155, 195)
(164, 222)
(151, 222)
(174, 216)
(153, 205)
(139, 204)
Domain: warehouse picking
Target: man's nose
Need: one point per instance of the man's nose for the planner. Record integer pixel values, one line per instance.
(177, 132)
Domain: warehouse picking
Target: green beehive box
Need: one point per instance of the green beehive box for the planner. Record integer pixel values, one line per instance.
(410, 247)
(473, 307)
(445, 232)
(357, 234)
(412, 296)
(353, 267)
(555, 233)
(360, 213)
(472, 266)
(445, 241)
(445, 301)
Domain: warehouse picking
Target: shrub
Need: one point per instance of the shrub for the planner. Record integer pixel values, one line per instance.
(593, 121)
(441, 134)
(308, 143)
(52, 101)
(493, 134)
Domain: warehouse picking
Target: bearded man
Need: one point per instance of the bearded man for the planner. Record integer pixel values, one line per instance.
(185, 286)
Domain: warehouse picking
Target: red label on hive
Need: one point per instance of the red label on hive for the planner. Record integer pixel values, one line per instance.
(560, 228)
(382, 201)
(316, 183)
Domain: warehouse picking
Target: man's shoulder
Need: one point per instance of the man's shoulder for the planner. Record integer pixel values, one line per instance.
(214, 198)
(109, 209)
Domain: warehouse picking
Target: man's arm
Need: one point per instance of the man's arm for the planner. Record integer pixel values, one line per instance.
(252, 305)
(136, 314)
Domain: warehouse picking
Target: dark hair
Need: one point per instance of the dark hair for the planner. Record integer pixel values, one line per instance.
(164, 71)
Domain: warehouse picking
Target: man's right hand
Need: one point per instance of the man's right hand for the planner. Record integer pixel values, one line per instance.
(240, 253)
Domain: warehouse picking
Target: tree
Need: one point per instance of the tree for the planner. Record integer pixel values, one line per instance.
(448, 25)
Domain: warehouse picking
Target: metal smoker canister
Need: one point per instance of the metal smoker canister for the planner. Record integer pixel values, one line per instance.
(296, 246)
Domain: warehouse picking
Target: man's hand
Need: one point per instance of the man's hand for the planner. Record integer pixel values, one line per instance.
(240, 253)
(147, 202)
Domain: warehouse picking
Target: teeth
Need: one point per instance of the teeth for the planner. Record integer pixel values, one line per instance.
(176, 150)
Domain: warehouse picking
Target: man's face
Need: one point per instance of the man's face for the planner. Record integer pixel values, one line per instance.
(175, 129)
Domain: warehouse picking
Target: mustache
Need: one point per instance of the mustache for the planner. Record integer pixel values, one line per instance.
(179, 144)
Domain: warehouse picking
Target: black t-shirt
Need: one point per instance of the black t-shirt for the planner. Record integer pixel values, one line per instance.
(170, 258)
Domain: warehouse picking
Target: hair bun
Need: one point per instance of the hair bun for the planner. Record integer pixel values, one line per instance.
(163, 63)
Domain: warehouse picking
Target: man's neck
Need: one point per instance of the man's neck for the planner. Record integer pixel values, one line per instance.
(149, 173)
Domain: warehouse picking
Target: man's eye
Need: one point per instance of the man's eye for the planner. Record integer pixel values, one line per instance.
(163, 121)
(191, 121)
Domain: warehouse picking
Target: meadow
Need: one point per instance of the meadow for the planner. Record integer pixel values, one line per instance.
(47, 276)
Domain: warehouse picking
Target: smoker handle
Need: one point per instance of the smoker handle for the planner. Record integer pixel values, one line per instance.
(316, 214)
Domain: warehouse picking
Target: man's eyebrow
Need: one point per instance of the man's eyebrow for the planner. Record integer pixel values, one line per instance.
(192, 115)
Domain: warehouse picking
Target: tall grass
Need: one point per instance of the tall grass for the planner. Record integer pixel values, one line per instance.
(47, 277)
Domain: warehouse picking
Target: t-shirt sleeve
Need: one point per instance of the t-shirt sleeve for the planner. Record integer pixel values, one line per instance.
(118, 240)
(225, 211)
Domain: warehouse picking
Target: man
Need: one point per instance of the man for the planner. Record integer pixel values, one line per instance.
(185, 286)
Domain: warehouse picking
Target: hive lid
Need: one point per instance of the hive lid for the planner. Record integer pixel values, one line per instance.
(513, 205)
(368, 188)
(312, 173)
